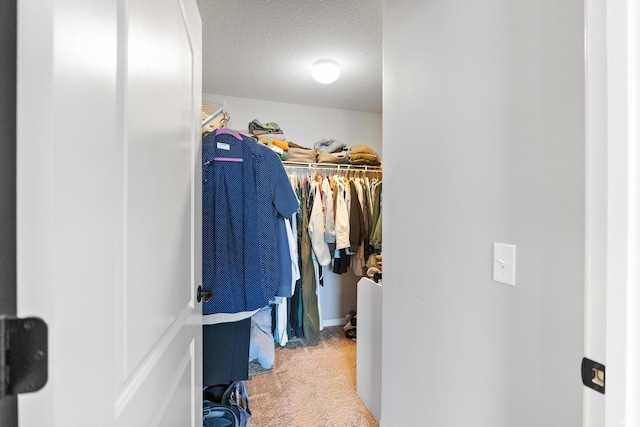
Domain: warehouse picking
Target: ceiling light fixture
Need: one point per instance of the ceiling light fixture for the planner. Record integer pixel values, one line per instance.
(325, 71)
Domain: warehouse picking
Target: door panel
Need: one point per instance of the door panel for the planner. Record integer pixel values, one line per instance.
(159, 171)
(109, 211)
(164, 392)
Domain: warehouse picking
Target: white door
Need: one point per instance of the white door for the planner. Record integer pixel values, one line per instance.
(595, 338)
(109, 99)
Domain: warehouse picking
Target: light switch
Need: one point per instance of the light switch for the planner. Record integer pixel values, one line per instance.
(504, 263)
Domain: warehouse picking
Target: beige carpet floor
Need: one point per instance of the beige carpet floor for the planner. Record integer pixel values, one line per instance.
(310, 385)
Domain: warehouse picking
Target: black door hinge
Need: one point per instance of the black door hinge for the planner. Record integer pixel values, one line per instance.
(23, 355)
(593, 374)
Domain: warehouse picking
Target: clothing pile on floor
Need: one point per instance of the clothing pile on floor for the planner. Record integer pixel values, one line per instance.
(350, 328)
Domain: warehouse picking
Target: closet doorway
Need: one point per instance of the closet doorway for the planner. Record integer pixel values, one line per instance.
(257, 61)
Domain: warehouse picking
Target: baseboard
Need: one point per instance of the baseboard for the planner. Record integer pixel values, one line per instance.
(333, 322)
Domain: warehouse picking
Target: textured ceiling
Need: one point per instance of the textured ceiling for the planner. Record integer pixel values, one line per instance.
(264, 49)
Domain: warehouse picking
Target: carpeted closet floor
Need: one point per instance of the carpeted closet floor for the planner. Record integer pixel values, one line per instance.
(310, 385)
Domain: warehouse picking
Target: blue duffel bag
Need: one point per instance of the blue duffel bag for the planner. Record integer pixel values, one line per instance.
(231, 409)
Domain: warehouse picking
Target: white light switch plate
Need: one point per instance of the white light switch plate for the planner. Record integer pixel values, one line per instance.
(504, 263)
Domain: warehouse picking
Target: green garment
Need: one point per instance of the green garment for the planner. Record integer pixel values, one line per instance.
(311, 318)
(375, 238)
(258, 128)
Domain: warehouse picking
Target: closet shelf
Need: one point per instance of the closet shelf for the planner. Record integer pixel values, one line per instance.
(333, 166)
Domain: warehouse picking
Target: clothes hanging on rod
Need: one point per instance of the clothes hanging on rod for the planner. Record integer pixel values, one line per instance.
(339, 212)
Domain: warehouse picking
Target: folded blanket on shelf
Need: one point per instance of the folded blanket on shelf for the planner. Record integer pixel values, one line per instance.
(329, 145)
(363, 149)
(258, 128)
(301, 155)
(364, 159)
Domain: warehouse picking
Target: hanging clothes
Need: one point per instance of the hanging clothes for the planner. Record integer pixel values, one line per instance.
(368, 216)
(316, 226)
(329, 227)
(341, 217)
(328, 205)
(284, 255)
(295, 307)
(311, 318)
(283, 304)
(244, 190)
(375, 237)
(356, 220)
(293, 253)
(317, 270)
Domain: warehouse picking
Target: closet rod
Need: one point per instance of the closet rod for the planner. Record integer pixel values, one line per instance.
(332, 166)
(214, 115)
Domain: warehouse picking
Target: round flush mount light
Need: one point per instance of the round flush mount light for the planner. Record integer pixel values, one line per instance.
(325, 71)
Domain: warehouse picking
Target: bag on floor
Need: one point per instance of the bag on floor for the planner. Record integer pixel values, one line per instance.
(226, 409)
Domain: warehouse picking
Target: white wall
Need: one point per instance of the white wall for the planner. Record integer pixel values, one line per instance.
(305, 125)
(488, 101)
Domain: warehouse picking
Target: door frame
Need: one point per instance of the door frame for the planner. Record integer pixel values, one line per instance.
(595, 296)
(623, 223)
(612, 234)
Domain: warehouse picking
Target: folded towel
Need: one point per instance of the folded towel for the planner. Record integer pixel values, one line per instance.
(329, 145)
(331, 158)
(277, 150)
(342, 154)
(294, 145)
(268, 140)
(279, 136)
